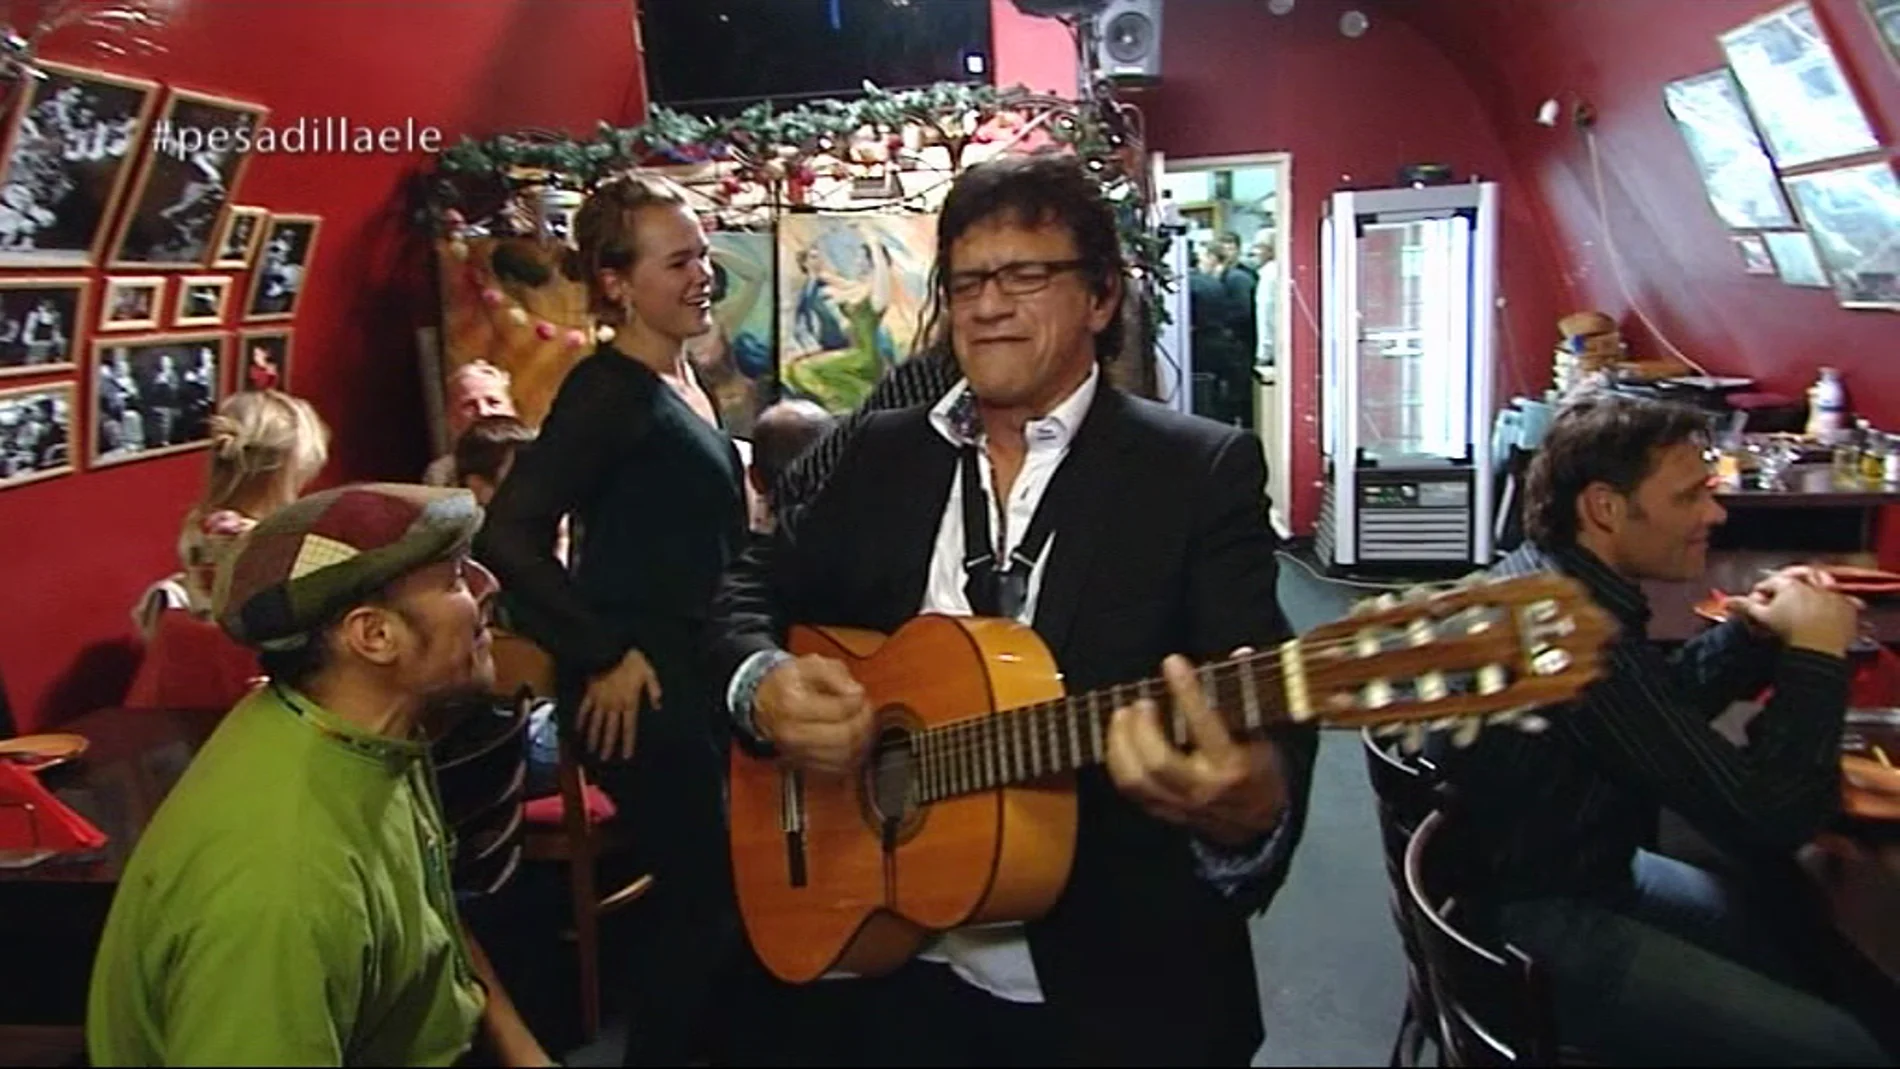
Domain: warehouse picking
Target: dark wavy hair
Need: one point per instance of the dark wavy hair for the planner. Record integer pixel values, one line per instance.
(1043, 189)
(1599, 438)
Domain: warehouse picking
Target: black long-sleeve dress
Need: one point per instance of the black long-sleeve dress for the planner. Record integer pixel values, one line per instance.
(658, 500)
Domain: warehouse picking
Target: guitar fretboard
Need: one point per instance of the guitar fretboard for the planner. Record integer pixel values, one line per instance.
(1019, 745)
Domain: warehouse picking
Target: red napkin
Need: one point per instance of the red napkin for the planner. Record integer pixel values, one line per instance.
(548, 810)
(32, 819)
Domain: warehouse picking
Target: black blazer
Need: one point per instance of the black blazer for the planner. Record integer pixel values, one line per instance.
(1162, 545)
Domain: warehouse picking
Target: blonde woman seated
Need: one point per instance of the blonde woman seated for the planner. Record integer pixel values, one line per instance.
(266, 446)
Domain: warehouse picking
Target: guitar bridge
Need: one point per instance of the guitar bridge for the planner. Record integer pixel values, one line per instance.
(791, 821)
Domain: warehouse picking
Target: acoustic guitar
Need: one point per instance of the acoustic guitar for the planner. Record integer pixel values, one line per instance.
(965, 811)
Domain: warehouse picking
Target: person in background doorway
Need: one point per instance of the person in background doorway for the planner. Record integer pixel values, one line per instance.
(1266, 298)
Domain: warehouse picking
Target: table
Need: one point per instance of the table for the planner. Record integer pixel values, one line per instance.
(1809, 486)
(51, 914)
(1736, 571)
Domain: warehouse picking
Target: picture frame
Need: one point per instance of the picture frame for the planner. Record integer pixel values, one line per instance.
(239, 237)
(1853, 215)
(1796, 260)
(154, 395)
(1754, 252)
(71, 144)
(1737, 174)
(201, 300)
(185, 184)
(41, 322)
(1801, 99)
(282, 264)
(263, 360)
(131, 302)
(36, 433)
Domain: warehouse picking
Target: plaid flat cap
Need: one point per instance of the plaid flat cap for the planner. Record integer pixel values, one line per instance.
(318, 556)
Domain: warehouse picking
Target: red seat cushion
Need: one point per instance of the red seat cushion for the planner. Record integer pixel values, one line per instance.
(600, 808)
(192, 664)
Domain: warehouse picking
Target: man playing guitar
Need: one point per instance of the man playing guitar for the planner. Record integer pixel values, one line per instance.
(1123, 533)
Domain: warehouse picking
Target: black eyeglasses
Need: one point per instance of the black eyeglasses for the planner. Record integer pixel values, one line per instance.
(1018, 278)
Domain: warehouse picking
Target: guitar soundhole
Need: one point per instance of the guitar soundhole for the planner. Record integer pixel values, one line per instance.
(890, 780)
(892, 773)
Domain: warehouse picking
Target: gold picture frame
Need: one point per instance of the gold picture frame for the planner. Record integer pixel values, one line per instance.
(153, 396)
(67, 223)
(189, 309)
(24, 323)
(283, 265)
(243, 227)
(47, 460)
(122, 308)
(185, 185)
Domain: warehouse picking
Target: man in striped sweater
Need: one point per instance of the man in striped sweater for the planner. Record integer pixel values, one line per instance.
(1654, 961)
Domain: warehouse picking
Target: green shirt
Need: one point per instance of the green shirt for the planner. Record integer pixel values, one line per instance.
(288, 905)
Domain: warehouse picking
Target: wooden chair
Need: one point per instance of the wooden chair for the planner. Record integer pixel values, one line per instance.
(482, 775)
(522, 668)
(1403, 789)
(1493, 1006)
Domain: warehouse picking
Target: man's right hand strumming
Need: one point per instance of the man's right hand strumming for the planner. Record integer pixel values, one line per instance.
(812, 711)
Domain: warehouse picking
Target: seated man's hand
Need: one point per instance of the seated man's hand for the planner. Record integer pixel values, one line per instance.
(1801, 613)
(815, 714)
(1228, 792)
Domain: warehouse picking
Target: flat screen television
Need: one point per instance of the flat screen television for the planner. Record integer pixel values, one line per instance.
(718, 56)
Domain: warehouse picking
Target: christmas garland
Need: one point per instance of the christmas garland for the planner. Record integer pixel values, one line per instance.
(779, 150)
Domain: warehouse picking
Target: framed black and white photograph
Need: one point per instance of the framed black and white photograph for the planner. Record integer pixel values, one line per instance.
(1795, 259)
(36, 433)
(240, 236)
(1754, 253)
(1853, 214)
(187, 180)
(277, 284)
(40, 321)
(1736, 171)
(69, 156)
(131, 302)
(154, 395)
(201, 300)
(264, 360)
(1796, 90)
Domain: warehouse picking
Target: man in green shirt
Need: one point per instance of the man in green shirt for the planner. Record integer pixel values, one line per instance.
(290, 902)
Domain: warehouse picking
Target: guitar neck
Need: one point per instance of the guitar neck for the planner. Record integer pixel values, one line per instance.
(1252, 694)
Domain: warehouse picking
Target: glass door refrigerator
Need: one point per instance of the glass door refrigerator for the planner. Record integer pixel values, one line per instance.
(1409, 289)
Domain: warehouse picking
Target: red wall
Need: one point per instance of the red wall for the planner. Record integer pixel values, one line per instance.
(1237, 79)
(1680, 265)
(75, 551)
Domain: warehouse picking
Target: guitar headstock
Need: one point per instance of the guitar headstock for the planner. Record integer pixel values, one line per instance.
(1486, 651)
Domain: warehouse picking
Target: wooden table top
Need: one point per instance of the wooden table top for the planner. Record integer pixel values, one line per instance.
(1736, 571)
(135, 757)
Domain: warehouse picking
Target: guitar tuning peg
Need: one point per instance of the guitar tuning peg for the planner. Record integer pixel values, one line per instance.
(1417, 592)
(1466, 732)
(1531, 724)
(1414, 738)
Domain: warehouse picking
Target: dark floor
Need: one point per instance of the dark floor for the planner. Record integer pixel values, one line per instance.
(1331, 972)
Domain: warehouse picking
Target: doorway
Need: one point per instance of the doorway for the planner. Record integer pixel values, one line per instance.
(1231, 217)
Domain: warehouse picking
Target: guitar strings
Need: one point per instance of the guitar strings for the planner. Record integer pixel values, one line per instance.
(994, 735)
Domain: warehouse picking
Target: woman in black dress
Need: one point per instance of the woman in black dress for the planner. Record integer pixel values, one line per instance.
(632, 449)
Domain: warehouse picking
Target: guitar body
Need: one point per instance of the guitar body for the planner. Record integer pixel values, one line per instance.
(870, 877)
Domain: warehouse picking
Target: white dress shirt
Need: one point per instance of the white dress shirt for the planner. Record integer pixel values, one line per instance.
(996, 957)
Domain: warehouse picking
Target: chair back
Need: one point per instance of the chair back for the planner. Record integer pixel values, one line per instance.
(481, 774)
(1493, 1006)
(1402, 788)
(191, 663)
